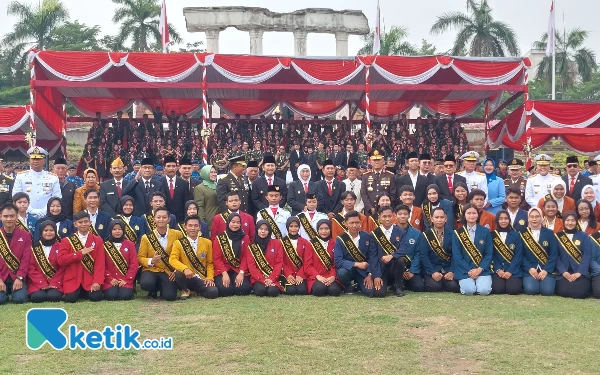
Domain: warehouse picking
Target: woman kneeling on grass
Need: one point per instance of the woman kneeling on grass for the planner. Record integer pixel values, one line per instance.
(472, 251)
(539, 256)
(121, 264)
(295, 249)
(574, 255)
(508, 254)
(45, 276)
(320, 267)
(265, 261)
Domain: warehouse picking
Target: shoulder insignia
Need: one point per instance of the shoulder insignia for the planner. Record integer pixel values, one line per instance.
(9, 177)
(23, 172)
(480, 173)
(52, 173)
(388, 172)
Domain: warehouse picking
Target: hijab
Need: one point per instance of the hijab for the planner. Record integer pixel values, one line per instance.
(595, 197)
(567, 214)
(559, 202)
(262, 242)
(490, 176)
(43, 226)
(328, 223)
(235, 236)
(112, 224)
(499, 228)
(437, 189)
(205, 176)
(55, 218)
(539, 211)
(125, 199)
(301, 167)
(188, 204)
(289, 221)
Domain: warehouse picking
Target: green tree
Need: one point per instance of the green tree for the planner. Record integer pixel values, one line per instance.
(426, 49)
(573, 60)
(478, 29)
(112, 43)
(74, 36)
(33, 29)
(392, 43)
(140, 23)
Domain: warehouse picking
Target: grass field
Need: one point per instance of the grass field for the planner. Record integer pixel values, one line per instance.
(418, 334)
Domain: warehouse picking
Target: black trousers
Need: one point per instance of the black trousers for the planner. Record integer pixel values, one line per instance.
(153, 282)
(293, 289)
(393, 274)
(596, 286)
(243, 290)
(197, 285)
(514, 285)
(260, 290)
(579, 288)
(83, 294)
(441, 286)
(319, 289)
(115, 293)
(47, 295)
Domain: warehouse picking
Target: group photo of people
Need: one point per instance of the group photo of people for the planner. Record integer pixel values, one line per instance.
(304, 208)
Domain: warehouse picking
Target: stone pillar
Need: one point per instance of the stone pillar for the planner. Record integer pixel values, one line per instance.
(256, 41)
(212, 40)
(300, 42)
(341, 44)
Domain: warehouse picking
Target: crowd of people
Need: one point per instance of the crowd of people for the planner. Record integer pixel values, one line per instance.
(185, 232)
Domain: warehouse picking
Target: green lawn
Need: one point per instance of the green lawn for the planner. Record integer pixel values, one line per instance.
(418, 334)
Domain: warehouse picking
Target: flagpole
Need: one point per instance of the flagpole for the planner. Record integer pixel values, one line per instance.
(554, 52)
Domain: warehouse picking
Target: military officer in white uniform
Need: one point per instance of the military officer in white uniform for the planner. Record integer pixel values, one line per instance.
(39, 184)
(596, 180)
(475, 180)
(539, 185)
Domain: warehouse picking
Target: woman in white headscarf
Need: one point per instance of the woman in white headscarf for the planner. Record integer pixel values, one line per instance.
(297, 190)
(558, 191)
(588, 193)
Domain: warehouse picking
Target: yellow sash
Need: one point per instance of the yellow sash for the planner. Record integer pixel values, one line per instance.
(117, 258)
(501, 247)
(340, 220)
(10, 259)
(435, 245)
(22, 225)
(596, 238)
(192, 256)
(387, 245)
(260, 260)
(150, 221)
(45, 265)
(534, 246)
(182, 229)
(276, 231)
(352, 248)
(228, 250)
(157, 247)
(470, 248)
(291, 252)
(427, 212)
(87, 260)
(321, 252)
(308, 228)
(129, 232)
(569, 246)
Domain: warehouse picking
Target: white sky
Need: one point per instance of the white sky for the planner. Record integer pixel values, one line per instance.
(529, 18)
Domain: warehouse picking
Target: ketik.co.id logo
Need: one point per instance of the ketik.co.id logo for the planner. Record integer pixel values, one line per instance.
(43, 325)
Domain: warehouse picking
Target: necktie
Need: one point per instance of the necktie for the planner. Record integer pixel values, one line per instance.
(572, 186)
(119, 189)
(329, 188)
(312, 215)
(274, 210)
(305, 187)
(147, 187)
(270, 181)
(171, 188)
(450, 183)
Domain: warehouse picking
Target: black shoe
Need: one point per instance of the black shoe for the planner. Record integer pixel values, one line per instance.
(152, 295)
(399, 292)
(348, 290)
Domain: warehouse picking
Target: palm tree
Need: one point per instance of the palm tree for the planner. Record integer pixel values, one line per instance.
(572, 59)
(140, 22)
(33, 29)
(478, 29)
(392, 43)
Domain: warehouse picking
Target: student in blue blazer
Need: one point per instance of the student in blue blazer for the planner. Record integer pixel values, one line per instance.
(595, 264)
(518, 216)
(358, 267)
(435, 254)
(508, 255)
(413, 279)
(540, 254)
(25, 221)
(57, 215)
(136, 223)
(100, 219)
(386, 241)
(472, 251)
(574, 255)
(432, 201)
(496, 191)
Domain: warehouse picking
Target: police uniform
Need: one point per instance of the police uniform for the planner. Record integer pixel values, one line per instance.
(374, 184)
(40, 186)
(475, 180)
(78, 181)
(538, 186)
(520, 183)
(231, 183)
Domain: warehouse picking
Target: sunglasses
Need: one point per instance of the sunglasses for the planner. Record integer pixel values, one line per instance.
(572, 165)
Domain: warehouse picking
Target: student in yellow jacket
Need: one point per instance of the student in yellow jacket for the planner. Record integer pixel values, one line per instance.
(191, 257)
(153, 257)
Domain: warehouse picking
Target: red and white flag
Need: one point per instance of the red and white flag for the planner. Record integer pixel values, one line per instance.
(551, 32)
(164, 27)
(376, 39)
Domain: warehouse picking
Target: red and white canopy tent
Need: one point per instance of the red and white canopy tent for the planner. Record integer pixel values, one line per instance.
(186, 82)
(535, 123)
(15, 124)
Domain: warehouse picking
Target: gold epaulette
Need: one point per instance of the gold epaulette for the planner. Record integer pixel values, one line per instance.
(24, 171)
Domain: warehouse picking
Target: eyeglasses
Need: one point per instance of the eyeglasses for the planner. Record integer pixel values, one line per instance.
(448, 165)
(572, 165)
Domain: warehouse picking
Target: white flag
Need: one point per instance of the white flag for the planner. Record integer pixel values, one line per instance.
(164, 26)
(551, 33)
(376, 41)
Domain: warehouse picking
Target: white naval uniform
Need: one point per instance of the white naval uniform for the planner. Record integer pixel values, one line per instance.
(40, 186)
(317, 216)
(359, 205)
(280, 219)
(538, 187)
(596, 184)
(475, 180)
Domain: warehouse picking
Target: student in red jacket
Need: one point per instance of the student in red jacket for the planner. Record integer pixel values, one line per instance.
(15, 251)
(45, 276)
(319, 264)
(229, 258)
(219, 222)
(121, 264)
(294, 252)
(82, 256)
(265, 261)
